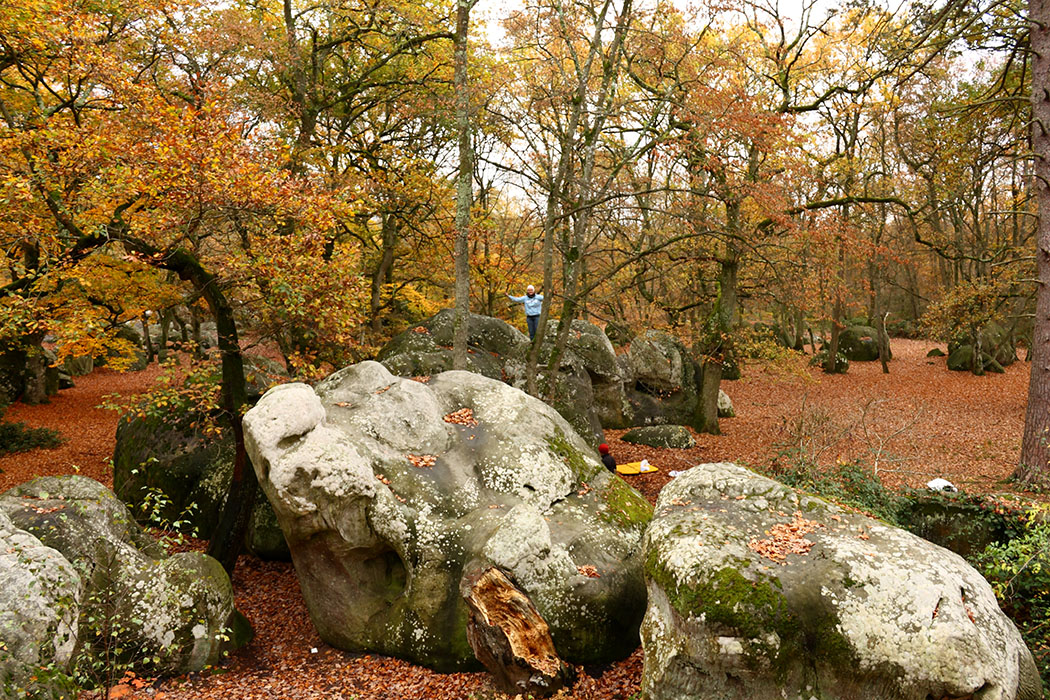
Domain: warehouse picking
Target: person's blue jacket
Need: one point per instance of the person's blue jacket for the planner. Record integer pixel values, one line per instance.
(533, 304)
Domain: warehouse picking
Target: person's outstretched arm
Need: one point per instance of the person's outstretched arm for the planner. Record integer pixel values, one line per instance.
(518, 299)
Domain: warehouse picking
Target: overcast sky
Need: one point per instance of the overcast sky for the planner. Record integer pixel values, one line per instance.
(492, 11)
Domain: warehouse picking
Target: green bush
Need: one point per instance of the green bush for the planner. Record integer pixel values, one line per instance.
(1019, 571)
(19, 437)
(850, 483)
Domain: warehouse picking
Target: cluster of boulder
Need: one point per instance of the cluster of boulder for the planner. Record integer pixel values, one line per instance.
(400, 498)
(994, 350)
(86, 590)
(654, 382)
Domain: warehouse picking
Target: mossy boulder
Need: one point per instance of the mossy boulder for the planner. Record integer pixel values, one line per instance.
(962, 522)
(960, 359)
(170, 614)
(12, 374)
(39, 601)
(663, 380)
(589, 350)
(759, 591)
(860, 344)
(78, 366)
(998, 350)
(841, 362)
(166, 469)
(389, 496)
(426, 348)
(173, 466)
(936, 352)
(674, 436)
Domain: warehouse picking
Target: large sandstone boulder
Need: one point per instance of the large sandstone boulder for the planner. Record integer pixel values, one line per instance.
(758, 591)
(39, 602)
(860, 344)
(426, 348)
(998, 350)
(167, 470)
(390, 495)
(596, 356)
(171, 614)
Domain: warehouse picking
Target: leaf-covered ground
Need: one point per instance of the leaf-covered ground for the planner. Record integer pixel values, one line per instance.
(918, 422)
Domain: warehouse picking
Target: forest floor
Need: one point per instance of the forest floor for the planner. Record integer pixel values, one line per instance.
(918, 422)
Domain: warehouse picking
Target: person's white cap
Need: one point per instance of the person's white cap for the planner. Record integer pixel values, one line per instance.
(530, 288)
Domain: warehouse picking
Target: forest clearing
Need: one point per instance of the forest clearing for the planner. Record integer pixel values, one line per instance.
(928, 406)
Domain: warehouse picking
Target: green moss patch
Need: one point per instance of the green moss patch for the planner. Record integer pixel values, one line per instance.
(624, 505)
(727, 597)
(581, 468)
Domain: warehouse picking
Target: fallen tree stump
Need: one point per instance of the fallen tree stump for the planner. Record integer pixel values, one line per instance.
(511, 639)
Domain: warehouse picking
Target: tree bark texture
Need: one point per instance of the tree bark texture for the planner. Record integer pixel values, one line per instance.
(463, 189)
(510, 638)
(1035, 445)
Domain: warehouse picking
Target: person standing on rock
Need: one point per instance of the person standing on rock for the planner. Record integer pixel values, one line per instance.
(533, 305)
(607, 459)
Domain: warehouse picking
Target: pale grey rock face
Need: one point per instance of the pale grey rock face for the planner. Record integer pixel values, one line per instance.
(381, 546)
(869, 611)
(588, 390)
(659, 360)
(725, 405)
(175, 608)
(39, 600)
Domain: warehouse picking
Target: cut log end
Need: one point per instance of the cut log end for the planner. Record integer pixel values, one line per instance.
(511, 639)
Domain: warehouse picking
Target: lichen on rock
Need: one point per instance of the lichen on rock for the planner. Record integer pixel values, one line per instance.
(863, 610)
(382, 539)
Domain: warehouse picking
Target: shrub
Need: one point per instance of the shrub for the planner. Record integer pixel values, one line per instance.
(850, 483)
(1019, 571)
(19, 437)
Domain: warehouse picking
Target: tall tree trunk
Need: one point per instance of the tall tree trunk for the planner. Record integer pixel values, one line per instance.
(461, 324)
(1035, 445)
(228, 537)
(705, 415)
(838, 311)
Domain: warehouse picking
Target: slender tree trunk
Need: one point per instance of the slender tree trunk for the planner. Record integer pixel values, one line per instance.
(228, 537)
(1035, 445)
(146, 340)
(379, 276)
(705, 415)
(165, 325)
(838, 311)
(461, 325)
(884, 341)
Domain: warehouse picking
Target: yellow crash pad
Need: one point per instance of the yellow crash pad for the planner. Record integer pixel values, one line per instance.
(635, 468)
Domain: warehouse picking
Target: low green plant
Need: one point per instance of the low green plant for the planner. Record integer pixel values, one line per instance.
(852, 484)
(19, 437)
(1019, 571)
